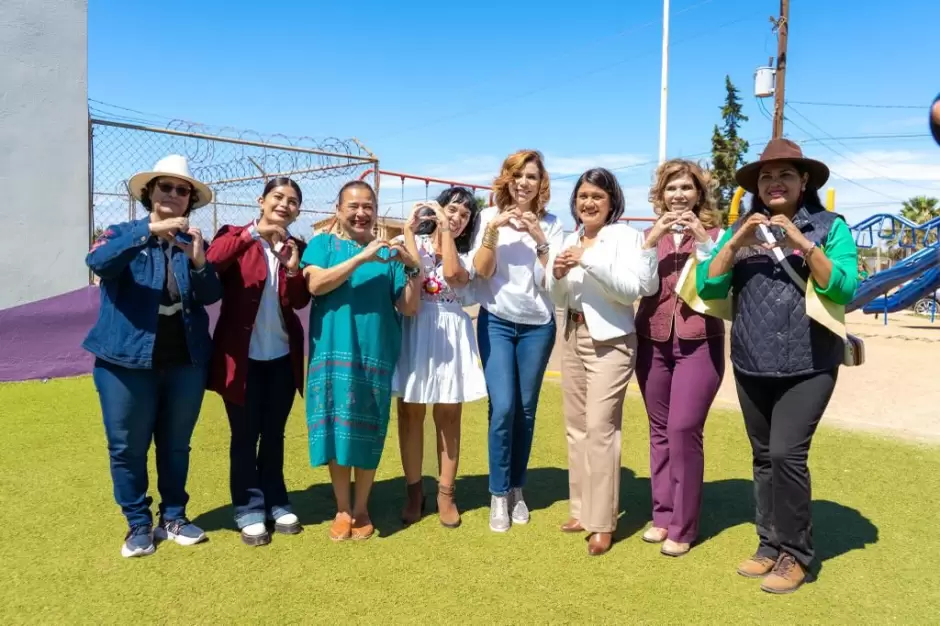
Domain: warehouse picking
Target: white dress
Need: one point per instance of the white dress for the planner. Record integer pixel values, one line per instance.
(439, 361)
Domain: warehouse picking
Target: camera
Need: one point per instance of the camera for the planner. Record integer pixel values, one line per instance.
(427, 223)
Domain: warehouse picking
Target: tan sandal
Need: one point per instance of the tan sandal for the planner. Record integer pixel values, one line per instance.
(655, 535)
(362, 529)
(341, 528)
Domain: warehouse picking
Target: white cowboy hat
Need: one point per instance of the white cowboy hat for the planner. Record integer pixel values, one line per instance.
(178, 167)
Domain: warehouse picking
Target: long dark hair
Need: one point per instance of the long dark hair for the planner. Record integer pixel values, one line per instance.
(281, 181)
(462, 195)
(605, 179)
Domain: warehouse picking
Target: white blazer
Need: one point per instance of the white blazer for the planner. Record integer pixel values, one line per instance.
(613, 273)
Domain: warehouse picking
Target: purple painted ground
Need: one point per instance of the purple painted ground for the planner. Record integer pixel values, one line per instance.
(43, 339)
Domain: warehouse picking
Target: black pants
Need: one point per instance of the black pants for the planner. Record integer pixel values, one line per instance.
(781, 415)
(257, 448)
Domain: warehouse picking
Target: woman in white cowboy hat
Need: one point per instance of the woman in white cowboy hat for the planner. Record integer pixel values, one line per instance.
(152, 346)
(785, 363)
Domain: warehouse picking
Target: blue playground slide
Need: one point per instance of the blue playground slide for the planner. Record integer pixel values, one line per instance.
(918, 265)
(904, 298)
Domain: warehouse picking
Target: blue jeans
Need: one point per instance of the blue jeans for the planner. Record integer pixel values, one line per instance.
(140, 405)
(514, 360)
(256, 454)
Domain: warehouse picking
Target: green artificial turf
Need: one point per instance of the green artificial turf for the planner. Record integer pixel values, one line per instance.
(875, 504)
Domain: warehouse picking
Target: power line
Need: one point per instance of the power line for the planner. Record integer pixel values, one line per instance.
(879, 174)
(857, 105)
(834, 173)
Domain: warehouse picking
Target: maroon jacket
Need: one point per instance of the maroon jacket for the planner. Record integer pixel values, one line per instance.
(657, 313)
(241, 265)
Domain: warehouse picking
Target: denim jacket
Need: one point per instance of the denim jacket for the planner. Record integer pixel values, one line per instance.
(132, 267)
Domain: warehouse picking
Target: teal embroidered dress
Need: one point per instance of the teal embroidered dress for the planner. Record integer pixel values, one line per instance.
(355, 339)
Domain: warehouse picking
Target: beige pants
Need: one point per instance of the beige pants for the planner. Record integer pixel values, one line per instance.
(594, 381)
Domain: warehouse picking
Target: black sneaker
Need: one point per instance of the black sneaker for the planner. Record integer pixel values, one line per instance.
(138, 541)
(181, 530)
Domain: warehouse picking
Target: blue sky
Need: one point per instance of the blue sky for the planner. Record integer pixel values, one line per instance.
(448, 89)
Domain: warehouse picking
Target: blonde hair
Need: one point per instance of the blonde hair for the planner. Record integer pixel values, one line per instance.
(706, 208)
(512, 166)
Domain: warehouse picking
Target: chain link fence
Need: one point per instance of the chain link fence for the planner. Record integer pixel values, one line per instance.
(235, 164)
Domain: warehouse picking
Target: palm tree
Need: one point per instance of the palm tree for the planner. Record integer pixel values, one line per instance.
(920, 209)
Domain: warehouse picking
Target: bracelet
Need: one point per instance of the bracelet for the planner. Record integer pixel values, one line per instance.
(809, 251)
(412, 272)
(490, 238)
(541, 249)
(291, 273)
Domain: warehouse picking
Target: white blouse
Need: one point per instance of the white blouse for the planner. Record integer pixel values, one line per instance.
(517, 292)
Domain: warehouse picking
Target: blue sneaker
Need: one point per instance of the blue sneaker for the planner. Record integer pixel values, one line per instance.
(181, 530)
(138, 542)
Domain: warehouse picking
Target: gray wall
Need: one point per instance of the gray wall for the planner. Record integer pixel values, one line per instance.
(43, 148)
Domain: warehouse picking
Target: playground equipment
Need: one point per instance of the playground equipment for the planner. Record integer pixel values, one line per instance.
(918, 275)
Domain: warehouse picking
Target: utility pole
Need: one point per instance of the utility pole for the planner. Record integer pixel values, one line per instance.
(782, 25)
(664, 94)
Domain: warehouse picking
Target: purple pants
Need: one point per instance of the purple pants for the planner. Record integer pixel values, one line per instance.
(679, 379)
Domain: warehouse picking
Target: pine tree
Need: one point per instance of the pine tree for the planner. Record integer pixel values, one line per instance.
(728, 149)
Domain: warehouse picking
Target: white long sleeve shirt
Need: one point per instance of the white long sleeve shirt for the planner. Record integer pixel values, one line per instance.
(517, 292)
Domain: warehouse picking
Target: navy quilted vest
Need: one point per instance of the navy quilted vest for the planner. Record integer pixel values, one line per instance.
(771, 335)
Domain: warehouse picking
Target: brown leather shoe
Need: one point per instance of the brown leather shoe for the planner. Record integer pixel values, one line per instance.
(414, 505)
(572, 526)
(756, 567)
(786, 576)
(447, 511)
(362, 528)
(341, 527)
(600, 543)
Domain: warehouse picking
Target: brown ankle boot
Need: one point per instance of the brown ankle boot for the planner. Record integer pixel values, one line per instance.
(446, 508)
(414, 505)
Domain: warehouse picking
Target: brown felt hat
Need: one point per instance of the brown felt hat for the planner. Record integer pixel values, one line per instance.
(782, 150)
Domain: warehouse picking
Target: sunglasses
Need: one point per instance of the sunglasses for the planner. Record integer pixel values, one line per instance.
(181, 190)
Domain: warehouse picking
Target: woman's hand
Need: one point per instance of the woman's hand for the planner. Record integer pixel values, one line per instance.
(194, 250)
(372, 252)
(565, 261)
(289, 256)
(271, 233)
(691, 221)
(443, 222)
(746, 236)
(511, 217)
(661, 227)
(530, 225)
(792, 236)
(398, 252)
(167, 229)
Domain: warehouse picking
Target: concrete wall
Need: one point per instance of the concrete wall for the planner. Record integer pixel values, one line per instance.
(43, 148)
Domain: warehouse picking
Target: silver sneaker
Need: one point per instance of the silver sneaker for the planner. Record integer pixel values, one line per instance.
(520, 512)
(499, 514)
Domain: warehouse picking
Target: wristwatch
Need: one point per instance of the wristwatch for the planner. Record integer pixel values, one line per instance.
(411, 272)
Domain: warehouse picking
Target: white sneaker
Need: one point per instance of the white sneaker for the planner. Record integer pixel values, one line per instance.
(287, 524)
(256, 534)
(499, 514)
(520, 511)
